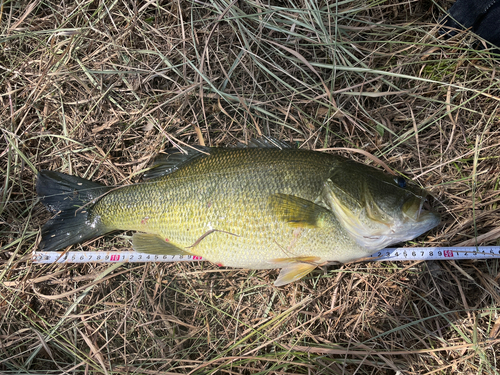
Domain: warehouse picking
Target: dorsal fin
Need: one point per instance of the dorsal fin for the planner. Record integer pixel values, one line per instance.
(172, 159)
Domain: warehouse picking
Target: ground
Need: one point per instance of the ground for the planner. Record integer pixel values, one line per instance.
(98, 88)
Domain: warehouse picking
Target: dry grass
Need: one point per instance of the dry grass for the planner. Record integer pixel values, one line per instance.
(97, 88)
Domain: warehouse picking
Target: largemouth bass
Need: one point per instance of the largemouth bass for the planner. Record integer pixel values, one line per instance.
(257, 208)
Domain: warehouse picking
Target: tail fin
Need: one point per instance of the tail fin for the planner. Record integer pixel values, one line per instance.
(70, 198)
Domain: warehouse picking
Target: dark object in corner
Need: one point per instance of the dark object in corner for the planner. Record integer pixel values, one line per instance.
(482, 17)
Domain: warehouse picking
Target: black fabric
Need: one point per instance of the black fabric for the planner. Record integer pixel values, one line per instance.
(481, 17)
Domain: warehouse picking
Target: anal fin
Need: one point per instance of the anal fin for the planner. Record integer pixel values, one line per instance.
(153, 244)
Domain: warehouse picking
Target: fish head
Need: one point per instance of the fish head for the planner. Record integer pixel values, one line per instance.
(377, 209)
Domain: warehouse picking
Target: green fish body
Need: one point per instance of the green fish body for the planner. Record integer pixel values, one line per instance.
(256, 208)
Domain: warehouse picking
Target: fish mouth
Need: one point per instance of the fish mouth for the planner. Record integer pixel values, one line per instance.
(418, 210)
(417, 218)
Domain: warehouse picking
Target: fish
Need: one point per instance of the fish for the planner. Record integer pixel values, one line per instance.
(266, 206)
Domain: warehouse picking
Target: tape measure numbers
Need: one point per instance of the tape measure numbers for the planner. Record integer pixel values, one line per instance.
(106, 257)
(392, 254)
(437, 253)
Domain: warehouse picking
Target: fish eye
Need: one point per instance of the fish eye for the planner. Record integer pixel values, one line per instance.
(401, 181)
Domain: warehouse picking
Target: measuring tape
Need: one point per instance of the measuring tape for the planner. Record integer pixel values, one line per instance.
(106, 257)
(393, 254)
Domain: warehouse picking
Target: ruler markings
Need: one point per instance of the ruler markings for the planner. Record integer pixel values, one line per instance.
(389, 254)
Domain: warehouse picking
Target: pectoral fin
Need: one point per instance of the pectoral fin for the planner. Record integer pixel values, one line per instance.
(298, 212)
(295, 269)
(153, 244)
